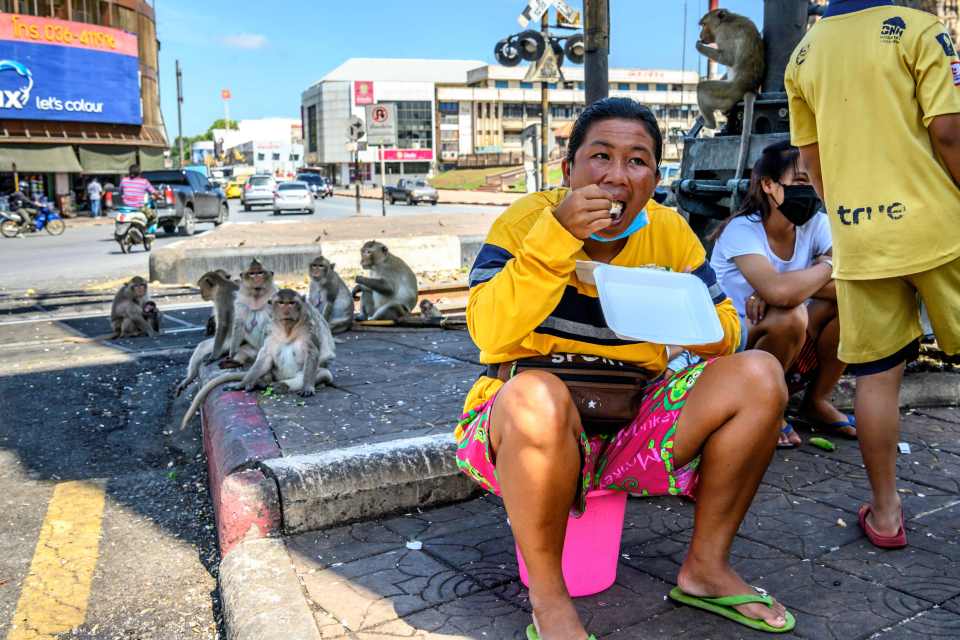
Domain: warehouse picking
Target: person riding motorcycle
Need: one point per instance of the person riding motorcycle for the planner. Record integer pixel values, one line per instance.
(25, 206)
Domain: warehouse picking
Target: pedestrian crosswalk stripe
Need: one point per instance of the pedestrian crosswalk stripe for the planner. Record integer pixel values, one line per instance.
(56, 591)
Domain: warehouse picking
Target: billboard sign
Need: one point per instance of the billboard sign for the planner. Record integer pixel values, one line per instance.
(381, 124)
(362, 92)
(408, 154)
(71, 71)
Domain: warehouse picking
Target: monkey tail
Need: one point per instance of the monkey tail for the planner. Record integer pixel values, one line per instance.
(232, 376)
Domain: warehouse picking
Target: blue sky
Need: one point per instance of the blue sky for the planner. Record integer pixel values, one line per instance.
(267, 53)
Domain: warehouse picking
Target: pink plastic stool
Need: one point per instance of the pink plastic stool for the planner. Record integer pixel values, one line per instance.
(591, 549)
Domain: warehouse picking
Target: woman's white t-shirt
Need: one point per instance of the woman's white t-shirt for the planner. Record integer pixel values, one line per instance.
(745, 235)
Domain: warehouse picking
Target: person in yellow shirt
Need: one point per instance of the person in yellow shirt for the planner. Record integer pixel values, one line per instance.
(874, 93)
(706, 432)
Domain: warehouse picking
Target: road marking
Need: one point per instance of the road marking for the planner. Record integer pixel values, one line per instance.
(102, 313)
(56, 591)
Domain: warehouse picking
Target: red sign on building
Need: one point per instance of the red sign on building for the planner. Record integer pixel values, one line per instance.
(362, 92)
(408, 154)
(225, 94)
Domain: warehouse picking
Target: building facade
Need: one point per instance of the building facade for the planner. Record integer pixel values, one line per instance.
(454, 113)
(269, 145)
(81, 86)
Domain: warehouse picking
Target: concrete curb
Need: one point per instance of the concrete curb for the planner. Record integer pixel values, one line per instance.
(262, 596)
(442, 200)
(331, 488)
(236, 435)
(175, 263)
(920, 390)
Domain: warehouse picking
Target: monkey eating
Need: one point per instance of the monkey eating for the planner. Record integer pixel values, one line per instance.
(739, 47)
(127, 313)
(251, 321)
(293, 357)
(217, 287)
(390, 291)
(330, 295)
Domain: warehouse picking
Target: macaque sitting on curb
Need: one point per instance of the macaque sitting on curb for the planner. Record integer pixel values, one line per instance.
(389, 292)
(330, 295)
(127, 313)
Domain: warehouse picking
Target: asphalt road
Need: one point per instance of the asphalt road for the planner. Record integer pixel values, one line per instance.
(87, 253)
(100, 492)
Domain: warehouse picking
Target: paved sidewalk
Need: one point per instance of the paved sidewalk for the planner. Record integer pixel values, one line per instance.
(362, 581)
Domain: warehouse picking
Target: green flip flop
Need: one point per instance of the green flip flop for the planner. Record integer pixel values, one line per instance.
(533, 635)
(725, 607)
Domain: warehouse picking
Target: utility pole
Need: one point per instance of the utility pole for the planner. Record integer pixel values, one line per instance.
(544, 111)
(179, 113)
(597, 48)
(356, 171)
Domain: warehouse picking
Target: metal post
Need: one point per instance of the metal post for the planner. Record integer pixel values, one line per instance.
(712, 64)
(597, 48)
(784, 22)
(383, 182)
(544, 111)
(179, 113)
(356, 177)
(16, 177)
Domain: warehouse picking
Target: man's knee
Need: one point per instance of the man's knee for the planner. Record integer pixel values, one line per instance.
(537, 407)
(792, 322)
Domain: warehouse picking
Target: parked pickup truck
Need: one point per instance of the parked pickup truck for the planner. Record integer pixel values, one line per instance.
(186, 198)
(411, 192)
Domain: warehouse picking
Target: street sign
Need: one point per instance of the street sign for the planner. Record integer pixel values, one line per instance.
(225, 94)
(355, 129)
(545, 69)
(536, 8)
(382, 124)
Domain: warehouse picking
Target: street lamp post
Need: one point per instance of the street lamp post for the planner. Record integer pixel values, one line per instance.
(179, 113)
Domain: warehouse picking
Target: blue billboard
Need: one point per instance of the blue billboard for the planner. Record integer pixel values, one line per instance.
(67, 81)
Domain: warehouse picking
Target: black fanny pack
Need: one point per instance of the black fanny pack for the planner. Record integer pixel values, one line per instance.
(607, 393)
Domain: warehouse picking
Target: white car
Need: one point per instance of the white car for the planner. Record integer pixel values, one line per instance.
(258, 190)
(292, 196)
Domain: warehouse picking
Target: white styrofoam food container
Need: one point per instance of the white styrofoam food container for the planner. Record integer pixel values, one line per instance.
(657, 306)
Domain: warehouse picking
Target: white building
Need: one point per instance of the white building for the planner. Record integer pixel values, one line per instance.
(466, 113)
(270, 145)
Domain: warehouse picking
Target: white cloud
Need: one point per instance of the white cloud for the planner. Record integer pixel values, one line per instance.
(245, 41)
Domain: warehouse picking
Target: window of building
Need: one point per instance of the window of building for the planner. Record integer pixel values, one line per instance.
(580, 86)
(294, 157)
(676, 87)
(623, 86)
(661, 87)
(502, 84)
(513, 110)
(674, 113)
(526, 85)
(448, 107)
(276, 156)
(533, 110)
(552, 85)
(569, 85)
(310, 128)
(261, 157)
(562, 111)
(414, 124)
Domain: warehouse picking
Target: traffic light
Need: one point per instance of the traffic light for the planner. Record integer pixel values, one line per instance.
(530, 45)
(575, 49)
(506, 53)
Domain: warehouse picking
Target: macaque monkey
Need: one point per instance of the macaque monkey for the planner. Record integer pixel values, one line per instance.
(216, 287)
(390, 291)
(127, 312)
(292, 358)
(740, 49)
(330, 295)
(428, 310)
(251, 320)
(152, 314)
(211, 328)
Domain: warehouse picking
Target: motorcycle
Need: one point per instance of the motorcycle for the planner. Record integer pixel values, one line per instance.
(45, 219)
(135, 226)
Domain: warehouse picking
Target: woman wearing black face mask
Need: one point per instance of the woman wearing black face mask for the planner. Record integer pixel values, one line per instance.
(773, 260)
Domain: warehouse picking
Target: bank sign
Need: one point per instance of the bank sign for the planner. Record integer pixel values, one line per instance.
(58, 70)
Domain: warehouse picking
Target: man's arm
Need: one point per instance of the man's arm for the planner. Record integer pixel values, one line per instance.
(945, 135)
(811, 160)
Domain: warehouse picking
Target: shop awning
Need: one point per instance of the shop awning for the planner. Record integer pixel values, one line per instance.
(38, 158)
(107, 158)
(151, 158)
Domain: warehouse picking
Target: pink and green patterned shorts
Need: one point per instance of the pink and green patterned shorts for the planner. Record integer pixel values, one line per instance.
(637, 459)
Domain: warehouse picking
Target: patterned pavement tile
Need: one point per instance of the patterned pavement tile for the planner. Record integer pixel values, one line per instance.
(830, 605)
(654, 518)
(931, 466)
(792, 469)
(933, 624)
(486, 554)
(851, 490)
(686, 622)
(935, 428)
(377, 589)
(662, 558)
(920, 572)
(798, 525)
(317, 550)
(486, 511)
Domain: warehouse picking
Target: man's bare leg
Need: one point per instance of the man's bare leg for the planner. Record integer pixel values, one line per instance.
(825, 325)
(736, 432)
(535, 429)
(877, 406)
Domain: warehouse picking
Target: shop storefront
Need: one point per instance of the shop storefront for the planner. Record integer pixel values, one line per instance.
(78, 96)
